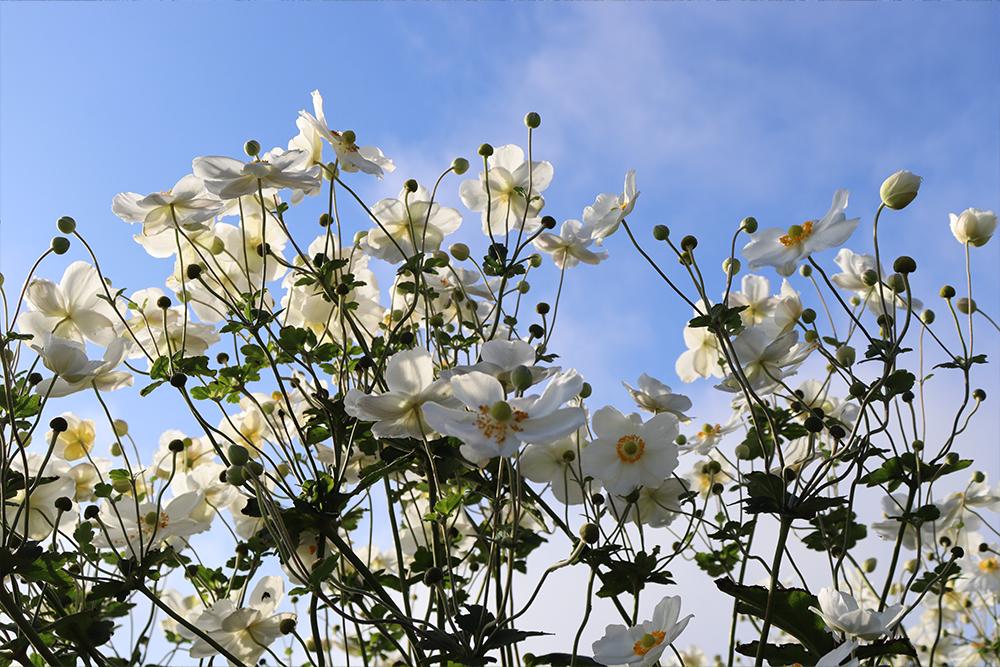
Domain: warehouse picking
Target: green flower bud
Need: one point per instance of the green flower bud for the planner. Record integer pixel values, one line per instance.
(116, 449)
(979, 395)
(749, 224)
(236, 475)
(485, 150)
(459, 251)
(689, 243)
(251, 148)
(846, 355)
(731, 266)
(965, 306)
(66, 224)
(808, 316)
(590, 533)
(520, 378)
(286, 626)
(58, 424)
(869, 565)
(411, 185)
(978, 477)
(238, 455)
(535, 260)
(927, 316)
(900, 189)
(904, 264)
(60, 245)
(661, 232)
(523, 286)
(870, 278)
(460, 165)
(532, 120)
(349, 137)
(586, 390)
(63, 504)
(805, 270)
(947, 292)
(176, 446)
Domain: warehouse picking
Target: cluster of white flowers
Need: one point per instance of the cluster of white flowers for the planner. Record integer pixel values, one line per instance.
(438, 387)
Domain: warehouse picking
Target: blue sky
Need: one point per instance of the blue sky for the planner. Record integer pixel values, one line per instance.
(725, 111)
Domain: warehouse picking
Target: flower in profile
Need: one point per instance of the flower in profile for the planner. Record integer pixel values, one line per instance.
(605, 215)
(75, 371)
(702, 358)
(900, 189)
(490, 425)
(642, 645)
(228, 178)
(314, 130)
(570, 246)
(838, 657)
(71, 309)
(410, 224)
(784, 249)
(502, 193)
(755, 295)
(245, 631)
(401, 411)
(558, 464)
(765, 360)
(187, 205)
(710, 435)
(628, 452)
(653, 396)
(842, 613)
(973, 226)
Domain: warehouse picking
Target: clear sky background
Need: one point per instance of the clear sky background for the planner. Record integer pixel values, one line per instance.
(725, 111)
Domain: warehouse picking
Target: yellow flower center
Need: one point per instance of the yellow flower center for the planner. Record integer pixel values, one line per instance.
(630, 449)
(707, 431)
(797, 234)
(495, 429)
(989, 565)
(649, 641)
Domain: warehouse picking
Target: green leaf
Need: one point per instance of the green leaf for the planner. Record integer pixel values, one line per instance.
(791, 612)
(778, 654)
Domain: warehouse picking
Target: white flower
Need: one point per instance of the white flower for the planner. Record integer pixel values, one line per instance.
(570, 246)
(228, 178)
(764, 359)
(710, 435)
(852, 278)
(214, 494)
(246, 631)
(75, 371)
(841, 612)
(558, 464)
(642, 645)
(187, 205)
(605, 215)
(313, 130)
(249, 427)
(702, 358)
(401, 411)
(498, 357)
(196, 452)
(491, 426)
(654, 396)
(784, 249)
(900, 189)
(756, 296)
(627, 452)
(973, 226)
(511, 179)
(788, 308)
(980, 575)
(412, 223)
(71, 309)
(138, 526)
(40, 512)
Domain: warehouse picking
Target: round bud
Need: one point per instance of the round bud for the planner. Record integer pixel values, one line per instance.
(808, 316)
(590, 533)
(286, 626)
(749, 224)
(952, 458)
(742, 452)
(523, 286)
(837, 431)
(689, 243)
(459, 251)
(661, 232)
(869, 278)
(66, 224)
(586, 390)
(957, 552)
(163, 302)
(911, 565)
(222, 358)
(907, 396)
(904, 264)
(899, 189)
(116, 449)
(34, 378)
(485, 150)
(535, 260)
(789, 474)
(918, 445)
(121, 485)
(680, 440)
(846, 355)
(254, 468)
(927, 316)
(869, 565)
(349, 136)
(548, 222)
(236, 475)
(855, 300)
(433, 576)
(814, 424)
(858, 389)
(176, 446)
(252, 148)
(238, 455)
(947, 292)
(965, 306)
(63, 504)
(597, 499)
(90, 512)
(58, 424)
(896, 283)
(811, 336)
(520, 378)
(410, 185)
(178, 380)
(569, 456)
(60, 245)
(805, 270)
(633, 497)
(532, 120)
(460, 165)
(884, 320)
(731, 266)
(536, 331)
(979, 394)
(193, 271)
(542, 308)
(978, 477)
